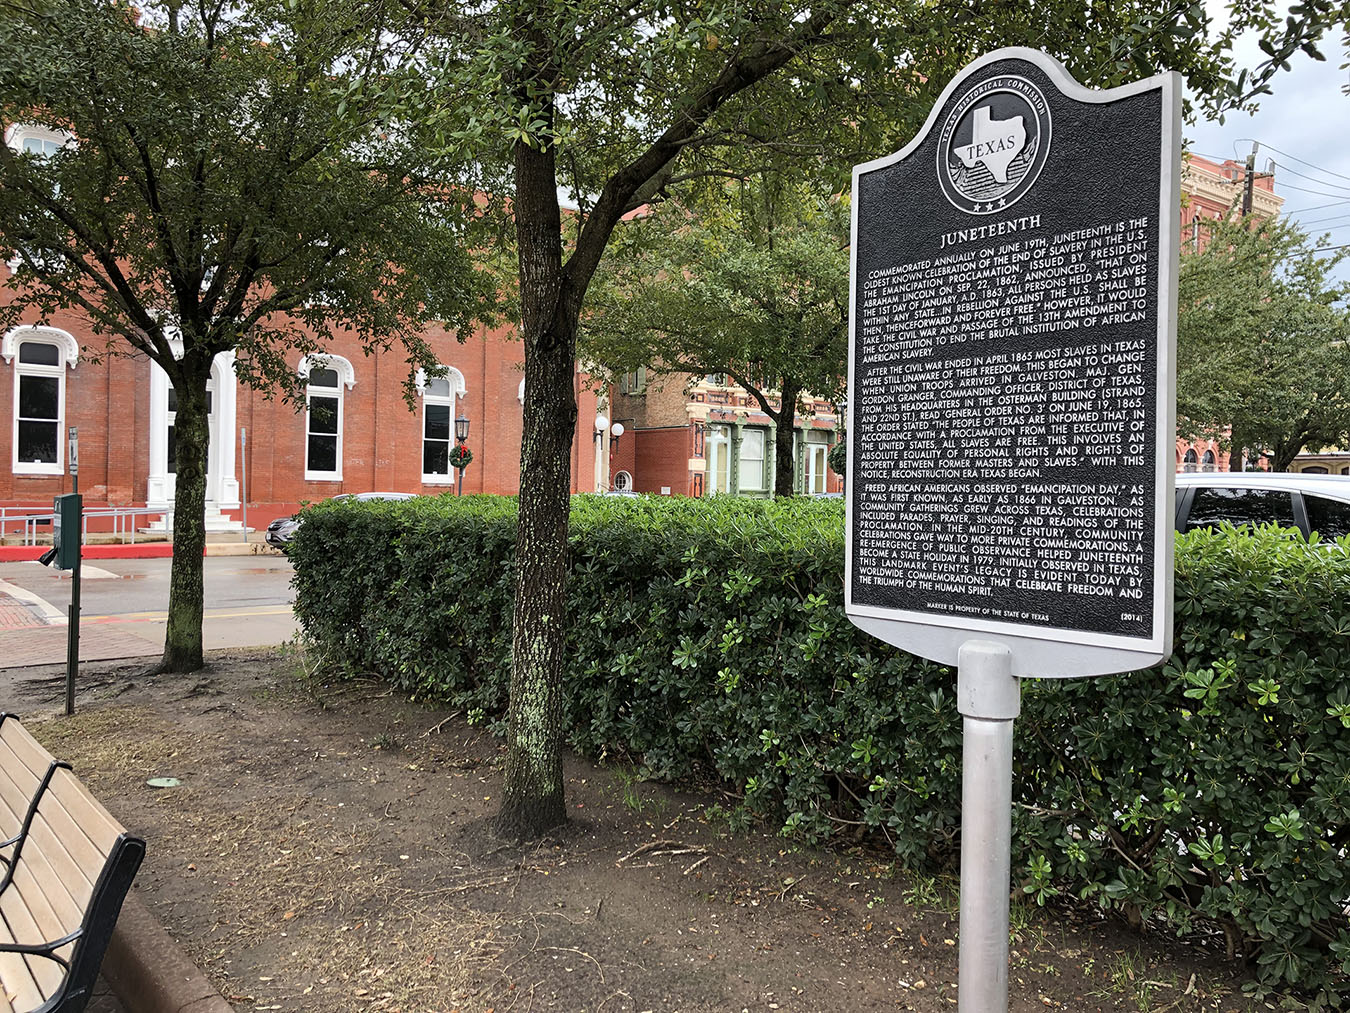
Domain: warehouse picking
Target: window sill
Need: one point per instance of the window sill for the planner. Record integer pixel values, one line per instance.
(438, 479)
(323, 476)
(37, 470)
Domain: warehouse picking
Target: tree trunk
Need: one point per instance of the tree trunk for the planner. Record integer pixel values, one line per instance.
(532, 799)
(1235, 455)
(192, 434)
(784, 463)
(1283, 454)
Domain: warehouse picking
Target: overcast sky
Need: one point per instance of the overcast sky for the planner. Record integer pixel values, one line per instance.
(1301, 126)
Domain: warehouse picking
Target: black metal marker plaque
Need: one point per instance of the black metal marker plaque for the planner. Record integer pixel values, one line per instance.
(1011, 425)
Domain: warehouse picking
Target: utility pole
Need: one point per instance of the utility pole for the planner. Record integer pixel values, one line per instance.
(1248, 181)
(1237, 455)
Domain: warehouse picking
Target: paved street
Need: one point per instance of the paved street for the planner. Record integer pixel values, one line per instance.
(123, 602)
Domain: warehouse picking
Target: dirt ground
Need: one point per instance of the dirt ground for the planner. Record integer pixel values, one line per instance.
(327, 849)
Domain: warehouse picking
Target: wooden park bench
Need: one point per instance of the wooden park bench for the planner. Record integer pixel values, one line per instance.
(65, 868)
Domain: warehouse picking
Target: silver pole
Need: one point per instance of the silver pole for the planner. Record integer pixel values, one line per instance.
(988, 698)
(243, 475)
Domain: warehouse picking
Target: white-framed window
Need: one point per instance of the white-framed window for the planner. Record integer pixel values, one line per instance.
(39, 408)
(439, 396)
(717, 450)
(323, 425)
(623, 482)
(328, 378)
(815, 468)
(438, 431)
(752, 460)
(40, 356)
(634, 382)
(39, 141)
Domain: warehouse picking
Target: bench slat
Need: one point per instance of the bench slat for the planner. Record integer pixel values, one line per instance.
(69, 873)
(17, 785)
(87, 812)
(15, 977)
(36, 877)
(24, 928)
(29, 750)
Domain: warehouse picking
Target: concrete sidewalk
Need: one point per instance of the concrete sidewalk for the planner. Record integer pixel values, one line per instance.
(30, 638)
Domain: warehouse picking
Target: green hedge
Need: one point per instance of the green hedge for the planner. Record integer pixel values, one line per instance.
(1212, 794)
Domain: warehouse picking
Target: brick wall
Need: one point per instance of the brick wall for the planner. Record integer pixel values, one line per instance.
(381, 434)
(664, 456)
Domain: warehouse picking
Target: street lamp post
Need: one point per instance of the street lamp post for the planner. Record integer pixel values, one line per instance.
(601, 479)
(461, 434)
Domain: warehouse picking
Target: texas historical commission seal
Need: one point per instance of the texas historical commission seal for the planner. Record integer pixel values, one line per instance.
(993, 144)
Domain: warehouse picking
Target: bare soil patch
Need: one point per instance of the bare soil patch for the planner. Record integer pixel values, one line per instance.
(328, 850)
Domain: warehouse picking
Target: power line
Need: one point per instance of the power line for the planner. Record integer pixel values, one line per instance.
(1318, 221)
(1301, 161)
(1304, 189)
(1316, 207)
(1304, 175)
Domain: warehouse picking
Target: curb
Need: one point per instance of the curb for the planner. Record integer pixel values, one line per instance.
(148, 971)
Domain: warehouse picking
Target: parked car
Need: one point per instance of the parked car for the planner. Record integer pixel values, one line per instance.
(1318, 503)
(283, 529)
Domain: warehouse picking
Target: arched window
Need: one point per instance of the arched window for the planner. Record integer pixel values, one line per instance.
(438, 415)
(1208, 462)
(1189, 462)
(328, 376)
(31, 139)
(40, 356)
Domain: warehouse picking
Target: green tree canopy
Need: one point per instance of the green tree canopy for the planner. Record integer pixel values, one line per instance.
(227, 181)
(1263, 342)
(751, 282)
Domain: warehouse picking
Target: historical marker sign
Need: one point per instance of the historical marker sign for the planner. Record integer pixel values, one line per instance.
(1011, 422)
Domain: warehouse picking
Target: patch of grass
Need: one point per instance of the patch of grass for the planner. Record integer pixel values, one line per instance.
(728, 822)
(97, 745)
(629, 781)
(1025, 926)
(930, 893)
(1131, 978)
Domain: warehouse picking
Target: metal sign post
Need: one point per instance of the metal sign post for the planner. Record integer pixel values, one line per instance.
(243, 476)
(1011, 418)
(70, 510)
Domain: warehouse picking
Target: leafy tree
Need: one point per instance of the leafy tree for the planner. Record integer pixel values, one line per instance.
(227, 183)
(1263, 342)
(622, 104)
(752, 283)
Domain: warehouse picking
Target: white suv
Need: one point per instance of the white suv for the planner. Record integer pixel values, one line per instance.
(1318, 503)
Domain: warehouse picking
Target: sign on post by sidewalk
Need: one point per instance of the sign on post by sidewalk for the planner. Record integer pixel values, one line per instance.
(1011, 415)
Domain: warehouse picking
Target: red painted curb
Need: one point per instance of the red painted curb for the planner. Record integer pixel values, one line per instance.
(150, 550)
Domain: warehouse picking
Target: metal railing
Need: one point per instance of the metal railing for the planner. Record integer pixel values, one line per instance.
(32, 521)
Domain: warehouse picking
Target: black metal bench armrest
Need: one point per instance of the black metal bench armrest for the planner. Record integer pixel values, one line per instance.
(47, 950)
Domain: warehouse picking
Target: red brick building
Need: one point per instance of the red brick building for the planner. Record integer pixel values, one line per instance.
(699, 436)
(1214, 190)
(368, 439)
